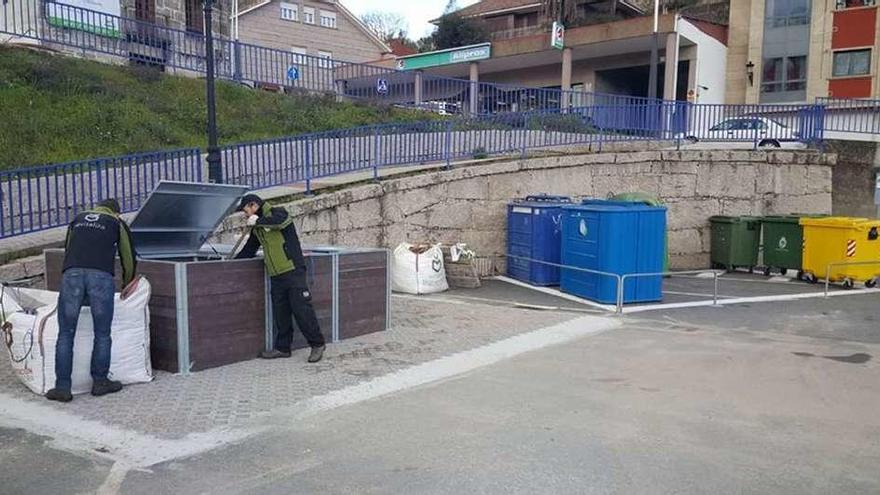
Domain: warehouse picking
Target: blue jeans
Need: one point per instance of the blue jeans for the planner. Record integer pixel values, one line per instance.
(84, 287)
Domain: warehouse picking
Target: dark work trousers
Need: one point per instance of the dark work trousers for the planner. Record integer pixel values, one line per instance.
(291, 300)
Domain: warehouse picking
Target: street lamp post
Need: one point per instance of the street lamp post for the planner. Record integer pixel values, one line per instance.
(652, 74)
(215, 173)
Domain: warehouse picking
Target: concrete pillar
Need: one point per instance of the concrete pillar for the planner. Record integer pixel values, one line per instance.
(473, 103)
(670, 82)
(417, 92)
(566, 77)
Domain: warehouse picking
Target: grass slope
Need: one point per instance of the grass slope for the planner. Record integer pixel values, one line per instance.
(57, 109)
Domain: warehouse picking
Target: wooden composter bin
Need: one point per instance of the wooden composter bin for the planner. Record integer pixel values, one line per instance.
(206, 311)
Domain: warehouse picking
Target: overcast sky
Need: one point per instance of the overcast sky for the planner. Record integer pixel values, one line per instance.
(417, 12)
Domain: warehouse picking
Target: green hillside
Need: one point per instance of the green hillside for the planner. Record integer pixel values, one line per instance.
(58, 109)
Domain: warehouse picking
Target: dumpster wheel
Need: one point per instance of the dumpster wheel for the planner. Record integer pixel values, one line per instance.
(800, 275)
(848, 283)
(809, 277)
(783, 271)
(767, 271)
(871, 283)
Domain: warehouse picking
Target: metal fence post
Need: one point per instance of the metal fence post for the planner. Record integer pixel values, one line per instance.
(376, 153)
(308, 164)
(448, 144)
(99, 182)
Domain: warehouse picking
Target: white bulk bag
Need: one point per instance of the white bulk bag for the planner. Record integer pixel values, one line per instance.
(418, 269)
(31, 331)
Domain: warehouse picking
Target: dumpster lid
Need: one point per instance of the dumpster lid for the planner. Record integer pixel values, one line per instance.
(178, 217)
(542, 201)
(614, 207)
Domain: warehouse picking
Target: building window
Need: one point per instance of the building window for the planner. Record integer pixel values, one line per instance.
(852, 63)
(195, 16)
(309, 15)
(854, 4)
(784, 74)
(289, 11)
(328, 19)
(787, 12)
(325, 60)
(299, 56)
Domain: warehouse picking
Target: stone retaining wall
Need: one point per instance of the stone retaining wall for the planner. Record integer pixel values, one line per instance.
(469, 204)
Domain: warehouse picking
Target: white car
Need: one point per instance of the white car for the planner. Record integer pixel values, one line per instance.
(768, 132)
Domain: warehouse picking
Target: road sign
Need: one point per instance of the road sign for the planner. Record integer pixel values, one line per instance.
(557, 37)
(293, 73)
(382, 86)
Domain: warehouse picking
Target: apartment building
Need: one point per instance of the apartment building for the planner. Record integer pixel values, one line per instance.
(319, 28)
(605, 50)
(790, 51)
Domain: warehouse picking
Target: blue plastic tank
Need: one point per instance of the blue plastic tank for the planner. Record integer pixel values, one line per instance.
(613, 237)
(534, 232)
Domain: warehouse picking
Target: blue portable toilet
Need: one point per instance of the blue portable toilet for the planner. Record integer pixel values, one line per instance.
(534, 232)
(613, 237)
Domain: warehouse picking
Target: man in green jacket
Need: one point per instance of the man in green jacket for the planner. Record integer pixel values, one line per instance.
(93, 239)
(273, 229)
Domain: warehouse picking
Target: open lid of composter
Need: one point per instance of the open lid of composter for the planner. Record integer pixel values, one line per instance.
(178, 217)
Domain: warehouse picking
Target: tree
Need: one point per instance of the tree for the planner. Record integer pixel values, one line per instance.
(565, 11)
(454, 30)
(425, 44)
(386, 25)
(451, 6)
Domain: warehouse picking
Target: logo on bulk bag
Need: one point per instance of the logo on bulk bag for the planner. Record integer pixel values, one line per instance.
(437, 263)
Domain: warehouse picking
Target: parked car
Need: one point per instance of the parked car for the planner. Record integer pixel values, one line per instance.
(768, 132)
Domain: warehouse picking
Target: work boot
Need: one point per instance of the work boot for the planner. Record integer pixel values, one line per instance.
(274, 354)
(59, 395)
(316, 354)
(104, 387)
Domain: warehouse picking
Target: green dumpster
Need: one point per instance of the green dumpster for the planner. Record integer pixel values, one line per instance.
(650, 200)
(735, 242)
(783, 243)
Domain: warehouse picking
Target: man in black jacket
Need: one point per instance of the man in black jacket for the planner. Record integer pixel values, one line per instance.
(93, 239)
(273, 229)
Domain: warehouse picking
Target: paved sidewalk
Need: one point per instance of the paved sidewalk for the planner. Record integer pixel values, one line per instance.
(173, 406)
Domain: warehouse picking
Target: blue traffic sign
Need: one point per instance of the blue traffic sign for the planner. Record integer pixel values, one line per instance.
(382, 86)
(292, 73)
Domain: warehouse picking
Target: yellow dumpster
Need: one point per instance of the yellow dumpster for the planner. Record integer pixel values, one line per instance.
(832, 240)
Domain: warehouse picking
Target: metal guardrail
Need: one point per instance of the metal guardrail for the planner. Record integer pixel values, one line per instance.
(621, 288)
(845, 115)
(847, 263)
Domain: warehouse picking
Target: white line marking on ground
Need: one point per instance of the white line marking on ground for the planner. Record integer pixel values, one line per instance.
(113, 483)
(557, 293)
(695, 294)
(130, 448)
(741, 300)
(443, 368)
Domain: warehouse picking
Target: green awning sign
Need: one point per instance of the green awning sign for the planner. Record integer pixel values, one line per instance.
(445, 57)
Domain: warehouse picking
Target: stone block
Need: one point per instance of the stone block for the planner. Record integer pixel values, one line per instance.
(686, 241)
(808, 203)
(475, 188)
(450, 215)
(359, 215)
(684, 214)
(739, 207)
(694, 261)
(489, 215)
(678, 186)
(726, 180)
(368, 237)
(416, 200)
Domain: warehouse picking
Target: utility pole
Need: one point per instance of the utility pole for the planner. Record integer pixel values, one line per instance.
(215, 173)
(652, 74)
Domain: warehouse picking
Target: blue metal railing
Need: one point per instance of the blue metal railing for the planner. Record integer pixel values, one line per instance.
(850, 116)
(37, 198)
